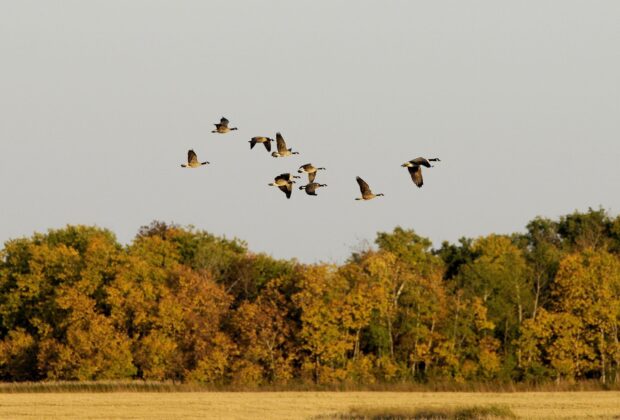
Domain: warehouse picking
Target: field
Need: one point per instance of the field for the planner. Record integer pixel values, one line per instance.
(294, 405)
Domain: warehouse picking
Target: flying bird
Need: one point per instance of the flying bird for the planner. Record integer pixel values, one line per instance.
(266, 141)
(282, 150)
(415, 169)
(285, 183)
(312, 187)
(192, 160)
(367, 194)
(222, 127)
(310, 170)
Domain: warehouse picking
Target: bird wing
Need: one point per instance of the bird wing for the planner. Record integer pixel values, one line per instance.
(287, 189)
(191, 157)
(253, 142)
(280, 143)
(421, 161)
(285, 177)
(223, 122)
(416, 175)
(267, 145)
(364, 188)
(311, 176)
(306, 166)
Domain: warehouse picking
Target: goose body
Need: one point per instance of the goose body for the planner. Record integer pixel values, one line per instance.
(285, 183)
(266, 141)
(414, 167)
(310, 170)
(222, 127)
(312, 187)
(192, 160)
(367, 194)
(281, 146)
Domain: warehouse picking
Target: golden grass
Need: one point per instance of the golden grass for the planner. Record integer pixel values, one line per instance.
(295, 405)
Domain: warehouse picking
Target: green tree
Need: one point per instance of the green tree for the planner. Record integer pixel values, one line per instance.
(501, 277)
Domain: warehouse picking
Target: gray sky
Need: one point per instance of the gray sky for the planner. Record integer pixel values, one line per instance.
(100, 100)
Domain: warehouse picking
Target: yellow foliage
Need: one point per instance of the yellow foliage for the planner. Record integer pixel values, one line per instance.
(157, 356)
(361, 369)
(17, 355)
(488, 358)
(247, 373)
(213, 367)
(386, 368)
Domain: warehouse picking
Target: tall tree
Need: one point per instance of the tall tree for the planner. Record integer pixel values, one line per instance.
(501, 278)
(325, 340)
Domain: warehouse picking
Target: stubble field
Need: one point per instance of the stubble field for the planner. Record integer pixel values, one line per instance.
(295, 405)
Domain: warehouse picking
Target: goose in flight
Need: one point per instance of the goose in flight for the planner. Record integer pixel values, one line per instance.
(312, 187)
(415, 169)
(222, 127)
(285, 183)
(310, 170)
(192, 160)
(367, 194)
(266, 141)
(282, 150)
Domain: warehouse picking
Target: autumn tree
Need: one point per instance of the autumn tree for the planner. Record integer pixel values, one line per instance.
(53, 305)
(501, 278)
(578, 336)
(179, 303)
(264, 332)
(324, 339)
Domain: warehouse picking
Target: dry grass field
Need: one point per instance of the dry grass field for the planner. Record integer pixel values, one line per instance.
(294, 405)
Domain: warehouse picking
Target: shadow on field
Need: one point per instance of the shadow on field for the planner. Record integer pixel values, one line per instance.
(400, 413)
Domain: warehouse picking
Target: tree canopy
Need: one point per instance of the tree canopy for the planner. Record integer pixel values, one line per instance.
(178, 303)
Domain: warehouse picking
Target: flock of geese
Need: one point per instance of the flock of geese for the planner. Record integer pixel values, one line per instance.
(285, 181)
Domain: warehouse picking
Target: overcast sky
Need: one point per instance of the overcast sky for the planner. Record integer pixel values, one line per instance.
(100, 101)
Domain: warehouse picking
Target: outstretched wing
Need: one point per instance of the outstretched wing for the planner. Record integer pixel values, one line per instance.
(421, 161)
(223, 122)
(191, 157)
(253, 142)
(280, 143)
(364, 188)
(287, 189)
(416, 175)
(285, 177)
(268, 145)
(311, 176)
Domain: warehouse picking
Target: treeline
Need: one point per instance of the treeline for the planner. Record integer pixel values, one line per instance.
(181, 304)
